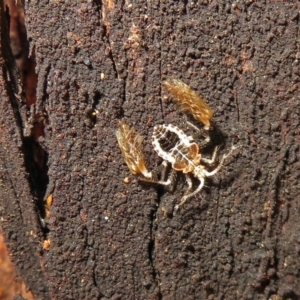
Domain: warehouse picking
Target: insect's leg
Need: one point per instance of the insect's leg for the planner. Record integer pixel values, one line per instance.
(206, 141)
(213, 158)
(217, 169)
(193, 126)
(203, 134)
(172, 179)
(196, 191)
(151, 180)
(164, 166)
(162, 180)
(160, 169)
(189, 182)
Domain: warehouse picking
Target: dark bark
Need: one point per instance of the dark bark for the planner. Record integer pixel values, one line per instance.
(100, 62)
(18, 205)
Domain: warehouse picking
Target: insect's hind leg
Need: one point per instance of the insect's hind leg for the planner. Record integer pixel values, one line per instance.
(196, 191)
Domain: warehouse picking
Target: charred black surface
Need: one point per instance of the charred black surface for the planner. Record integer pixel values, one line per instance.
(111, 240)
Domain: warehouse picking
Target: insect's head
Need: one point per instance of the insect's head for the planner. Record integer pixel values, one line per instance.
(198, 171)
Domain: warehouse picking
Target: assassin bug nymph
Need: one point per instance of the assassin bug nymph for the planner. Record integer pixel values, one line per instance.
(182, 153)
(173, 145)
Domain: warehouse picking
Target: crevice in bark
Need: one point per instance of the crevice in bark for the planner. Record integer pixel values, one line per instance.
(98, 4)
(36, 165)
(110, 54)
(35, 158)
(151, 251)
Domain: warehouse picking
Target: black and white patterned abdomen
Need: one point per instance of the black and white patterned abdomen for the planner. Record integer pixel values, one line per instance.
(174, 146)
(167, 139)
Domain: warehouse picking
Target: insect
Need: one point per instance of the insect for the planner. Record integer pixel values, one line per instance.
(130, 143)
(174, 146)
(180, 150)
(46, 244)
(176, 149)
(190, 101)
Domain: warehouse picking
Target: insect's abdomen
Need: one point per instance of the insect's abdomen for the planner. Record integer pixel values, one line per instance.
(166, 139)
(174, 146)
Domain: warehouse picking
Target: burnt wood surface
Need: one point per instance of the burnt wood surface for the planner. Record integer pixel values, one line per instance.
(101, 62)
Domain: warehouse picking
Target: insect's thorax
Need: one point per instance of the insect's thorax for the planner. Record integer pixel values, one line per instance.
(174, 146)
